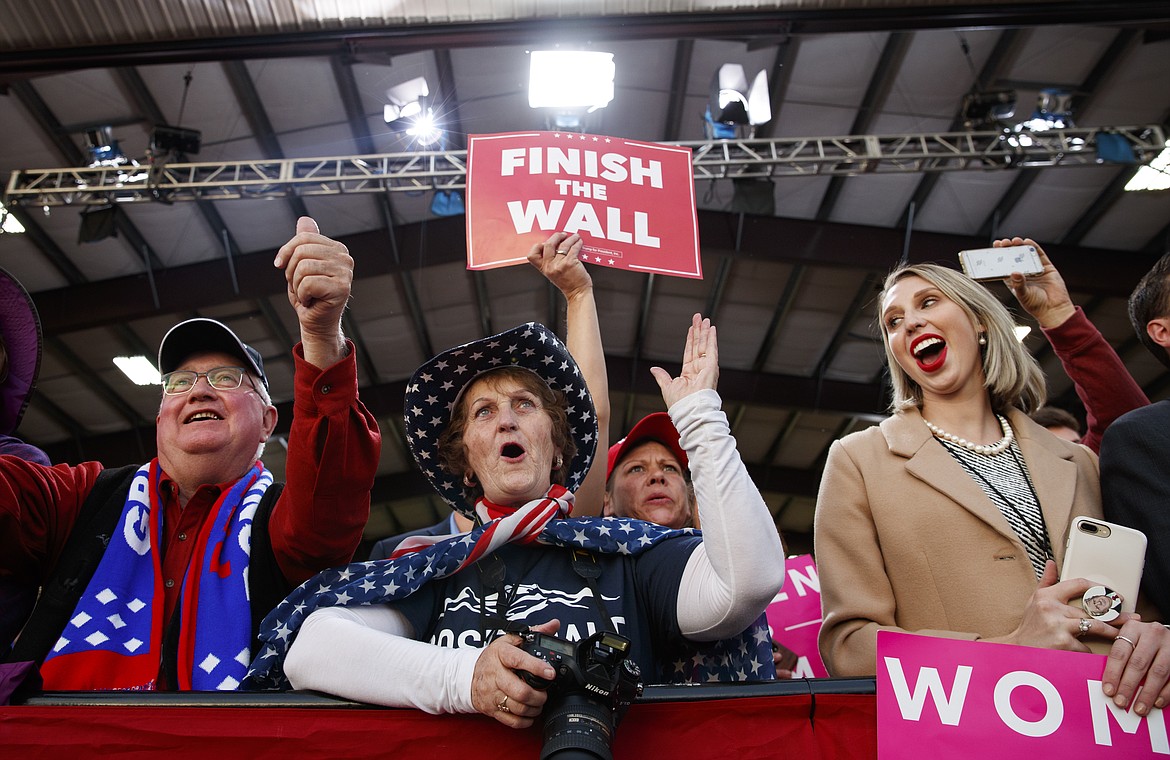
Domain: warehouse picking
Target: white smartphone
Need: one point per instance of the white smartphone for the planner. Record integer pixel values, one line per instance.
(1111, 555)
(999, 263)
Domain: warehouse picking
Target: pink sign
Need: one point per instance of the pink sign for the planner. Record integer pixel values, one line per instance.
(633, 203)
(795, 616)
(974, 699)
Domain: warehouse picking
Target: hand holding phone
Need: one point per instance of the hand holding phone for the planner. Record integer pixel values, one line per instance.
(1113, 557)
(999, 263)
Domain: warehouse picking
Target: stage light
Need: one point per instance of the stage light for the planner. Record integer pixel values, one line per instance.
(103, 148)
(9, 223)
(1053, 111)
(165, 140)
(409, 111)
(570, 79)
(988, 110)
(733, 104)
(447, 203)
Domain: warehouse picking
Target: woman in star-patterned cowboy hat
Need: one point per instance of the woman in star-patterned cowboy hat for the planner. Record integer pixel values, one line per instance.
(504, 428)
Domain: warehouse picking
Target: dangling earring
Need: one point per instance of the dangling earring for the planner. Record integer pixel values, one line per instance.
(469, 480)
(982, 339)
(558, 462)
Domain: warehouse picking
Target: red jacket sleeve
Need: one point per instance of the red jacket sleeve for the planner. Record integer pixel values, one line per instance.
(1101, 380)
(333, 450)
(38, 507)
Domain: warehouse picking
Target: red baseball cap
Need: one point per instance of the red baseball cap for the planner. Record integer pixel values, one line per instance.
(652, 427)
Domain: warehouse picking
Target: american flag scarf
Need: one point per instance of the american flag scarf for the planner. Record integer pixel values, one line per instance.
(422, 559)
(114, 638)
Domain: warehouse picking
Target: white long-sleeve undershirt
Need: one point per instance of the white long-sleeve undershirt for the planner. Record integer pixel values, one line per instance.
(369, 653)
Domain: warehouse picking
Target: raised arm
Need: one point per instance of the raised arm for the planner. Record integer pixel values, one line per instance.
(1101, 380)
(333, 443)
(558, 260)
(319, 271)
(737, 570)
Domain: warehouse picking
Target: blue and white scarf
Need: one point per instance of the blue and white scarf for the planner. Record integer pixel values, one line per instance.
(114, 639)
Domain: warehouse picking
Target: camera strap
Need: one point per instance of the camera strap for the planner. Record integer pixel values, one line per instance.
(492, 573)
(585, 565)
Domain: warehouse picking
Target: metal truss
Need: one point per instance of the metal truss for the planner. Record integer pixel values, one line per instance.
(447, 170)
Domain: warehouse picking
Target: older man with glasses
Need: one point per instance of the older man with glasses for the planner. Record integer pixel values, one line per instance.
(156, 577)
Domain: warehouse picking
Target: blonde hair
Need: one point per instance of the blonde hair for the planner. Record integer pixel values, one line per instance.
(1012, 375)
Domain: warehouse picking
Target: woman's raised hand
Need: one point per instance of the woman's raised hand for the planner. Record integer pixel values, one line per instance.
(558, 259)
(700, 364)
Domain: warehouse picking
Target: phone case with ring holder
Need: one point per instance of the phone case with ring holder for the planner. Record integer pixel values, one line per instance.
(1112, 557)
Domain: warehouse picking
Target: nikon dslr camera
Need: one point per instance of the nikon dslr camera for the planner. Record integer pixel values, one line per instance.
(594, 686)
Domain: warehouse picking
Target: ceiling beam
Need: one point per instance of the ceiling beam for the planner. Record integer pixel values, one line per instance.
(384, 400)
(1007, 47)
(880, 83)
(447, 107)
(414, 37)
(1112, 193)
(778, 81)
(200, 285)
(677, 94)
(256, 115)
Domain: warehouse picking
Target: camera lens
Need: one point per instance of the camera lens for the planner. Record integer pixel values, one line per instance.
(577, 728)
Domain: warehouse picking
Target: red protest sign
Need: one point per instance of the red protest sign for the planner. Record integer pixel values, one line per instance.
(633, 203)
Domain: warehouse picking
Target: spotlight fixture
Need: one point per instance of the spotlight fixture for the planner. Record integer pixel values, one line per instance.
(165, 140)
(409, 111)
(1053, 111)
(988, 110)
(103, 148)
(447, 203)
(733, 104)
(8, 222)
(568, 79)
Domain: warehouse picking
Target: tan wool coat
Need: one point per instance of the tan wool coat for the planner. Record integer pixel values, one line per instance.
(906, 540)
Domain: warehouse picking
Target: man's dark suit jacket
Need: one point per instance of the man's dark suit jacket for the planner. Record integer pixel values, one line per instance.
(1135, 489)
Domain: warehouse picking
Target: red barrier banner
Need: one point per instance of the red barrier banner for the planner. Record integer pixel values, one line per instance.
(973, 699)
(633, 203)
(749, 727)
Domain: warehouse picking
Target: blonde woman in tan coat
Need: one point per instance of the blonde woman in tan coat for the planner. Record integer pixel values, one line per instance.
(950, 517)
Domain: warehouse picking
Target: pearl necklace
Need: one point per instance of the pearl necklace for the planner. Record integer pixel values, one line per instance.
(987, 450)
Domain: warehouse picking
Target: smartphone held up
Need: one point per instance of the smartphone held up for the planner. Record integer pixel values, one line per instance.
(999, 263)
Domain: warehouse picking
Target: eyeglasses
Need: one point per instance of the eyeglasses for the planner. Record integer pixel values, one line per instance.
(221, 378)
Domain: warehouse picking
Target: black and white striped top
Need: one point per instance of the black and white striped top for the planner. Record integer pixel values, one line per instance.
(1004, 478)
